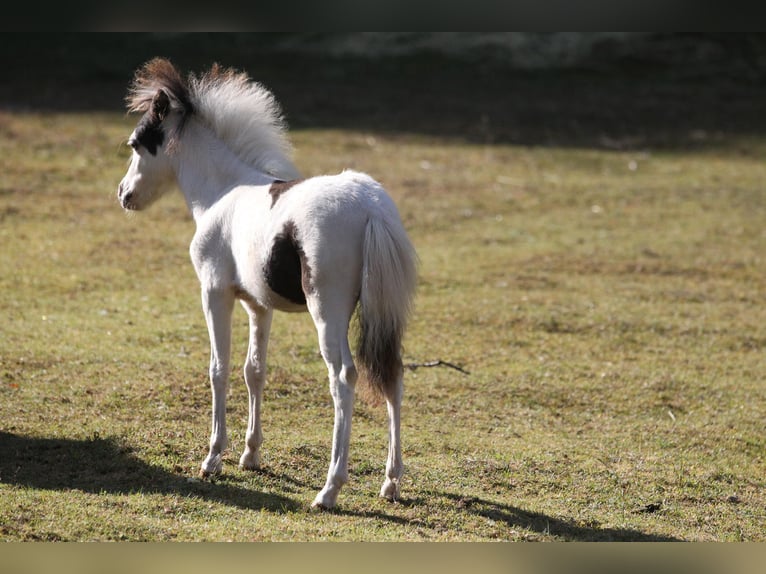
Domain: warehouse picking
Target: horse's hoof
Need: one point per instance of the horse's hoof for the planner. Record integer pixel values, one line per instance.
(249, 461)
(317, 506)
(323, 502)
(211, 467)
(390, 490)
(205, 474)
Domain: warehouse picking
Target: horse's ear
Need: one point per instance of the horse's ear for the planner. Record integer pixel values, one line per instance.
(160, 104)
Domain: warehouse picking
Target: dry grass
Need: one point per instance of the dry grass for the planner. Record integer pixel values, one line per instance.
(609, 306)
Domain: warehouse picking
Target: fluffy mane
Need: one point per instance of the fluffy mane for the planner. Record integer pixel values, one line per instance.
(242, 113)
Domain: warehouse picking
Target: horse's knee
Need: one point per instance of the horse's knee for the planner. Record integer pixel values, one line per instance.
(255, 373)
(348, 374)
(219, 375)
(343, 383)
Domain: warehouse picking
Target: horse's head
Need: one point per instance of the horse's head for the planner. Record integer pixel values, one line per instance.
(159, 92)
(150, 171)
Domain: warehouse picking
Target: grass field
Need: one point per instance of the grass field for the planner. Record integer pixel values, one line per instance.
(606, 301)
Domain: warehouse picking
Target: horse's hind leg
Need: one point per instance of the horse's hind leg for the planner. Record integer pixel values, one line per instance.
(255, 378)
(333, 343)
(394, 466)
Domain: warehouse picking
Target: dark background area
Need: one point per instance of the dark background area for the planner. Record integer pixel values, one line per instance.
(608, 90)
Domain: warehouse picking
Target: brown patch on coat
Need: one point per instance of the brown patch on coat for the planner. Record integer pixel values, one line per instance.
(287, 271)
(159, 82)
(278, 187)
(158, 74)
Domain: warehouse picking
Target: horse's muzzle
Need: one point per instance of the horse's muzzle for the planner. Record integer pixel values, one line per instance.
(124, 197)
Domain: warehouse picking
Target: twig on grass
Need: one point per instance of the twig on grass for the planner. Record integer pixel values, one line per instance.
(436, 363)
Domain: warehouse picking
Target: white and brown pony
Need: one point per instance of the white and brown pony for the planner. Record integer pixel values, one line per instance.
(272, 240)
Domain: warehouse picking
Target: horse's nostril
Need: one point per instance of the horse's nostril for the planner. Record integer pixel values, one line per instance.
(124, 196)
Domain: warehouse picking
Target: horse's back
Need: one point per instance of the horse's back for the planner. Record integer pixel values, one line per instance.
(350, 194)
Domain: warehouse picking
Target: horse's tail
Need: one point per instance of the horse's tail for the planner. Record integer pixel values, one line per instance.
(389, 277)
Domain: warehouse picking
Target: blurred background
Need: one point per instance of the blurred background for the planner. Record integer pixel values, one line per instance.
(604, 90)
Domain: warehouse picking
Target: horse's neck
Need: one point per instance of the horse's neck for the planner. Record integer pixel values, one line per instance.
(207, 169)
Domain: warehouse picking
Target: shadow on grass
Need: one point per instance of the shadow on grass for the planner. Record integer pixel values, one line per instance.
(104, 465)
(514, 517)
(538, 522)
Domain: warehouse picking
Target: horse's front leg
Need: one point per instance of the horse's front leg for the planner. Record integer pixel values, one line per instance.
(217, 306)
(255, 378)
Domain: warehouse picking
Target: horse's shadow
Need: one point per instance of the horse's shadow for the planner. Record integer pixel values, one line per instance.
(542, 523)
(517, 518)
(105, 465)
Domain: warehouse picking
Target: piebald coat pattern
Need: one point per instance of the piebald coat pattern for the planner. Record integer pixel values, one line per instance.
(272, 240)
